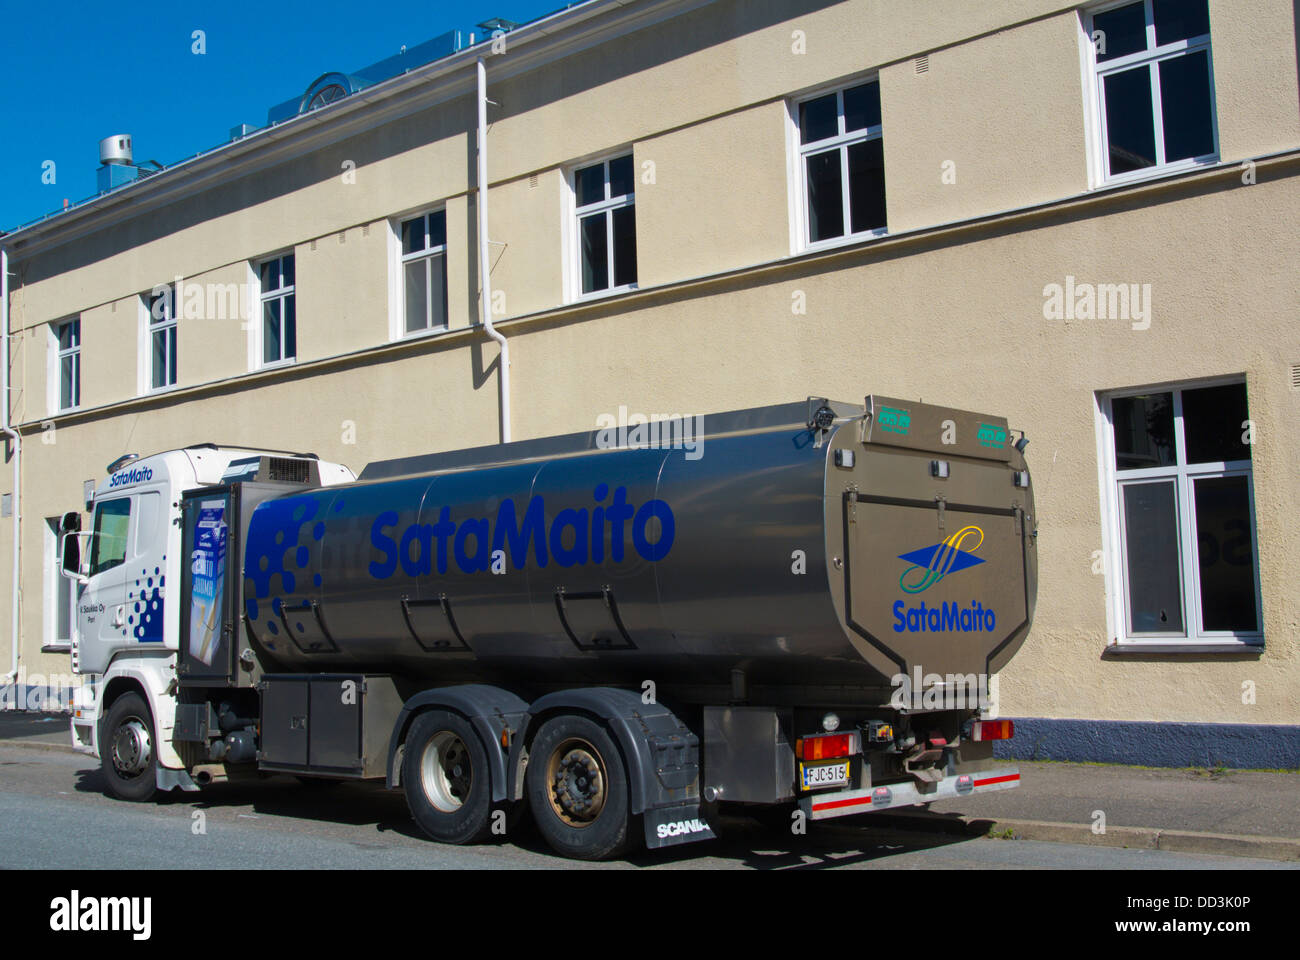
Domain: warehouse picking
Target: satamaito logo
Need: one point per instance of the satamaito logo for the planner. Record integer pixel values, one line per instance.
(128, 477)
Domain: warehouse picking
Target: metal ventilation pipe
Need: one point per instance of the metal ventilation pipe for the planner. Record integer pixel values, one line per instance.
(17, 441)
(484, 261)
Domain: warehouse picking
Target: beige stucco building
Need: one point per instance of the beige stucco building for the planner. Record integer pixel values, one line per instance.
(1080, 217)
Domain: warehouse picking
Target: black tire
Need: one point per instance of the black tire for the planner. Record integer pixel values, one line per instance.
(575, 768)
(128, 751)
(446, 778)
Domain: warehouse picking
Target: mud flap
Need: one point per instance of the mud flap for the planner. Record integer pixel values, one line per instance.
(661, 753)
(671, 826)
(169, 779)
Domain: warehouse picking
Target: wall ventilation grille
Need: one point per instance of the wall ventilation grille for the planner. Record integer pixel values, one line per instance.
(921, 65)
(1295, 376)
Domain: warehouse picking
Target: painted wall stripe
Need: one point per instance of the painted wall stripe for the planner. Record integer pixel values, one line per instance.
(1240, 746)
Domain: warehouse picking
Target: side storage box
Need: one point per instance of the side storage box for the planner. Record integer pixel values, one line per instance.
(336, 724)
(748, 758)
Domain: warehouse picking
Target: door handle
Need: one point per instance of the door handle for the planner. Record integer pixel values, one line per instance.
(118, 615)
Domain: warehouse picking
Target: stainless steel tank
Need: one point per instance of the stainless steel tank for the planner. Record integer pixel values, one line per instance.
(553, 562)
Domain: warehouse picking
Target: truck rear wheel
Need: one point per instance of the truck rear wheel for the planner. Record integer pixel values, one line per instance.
(445, 776)
(578, 790)
(126, 749)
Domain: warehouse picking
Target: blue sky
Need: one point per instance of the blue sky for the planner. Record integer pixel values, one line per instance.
(78, 72)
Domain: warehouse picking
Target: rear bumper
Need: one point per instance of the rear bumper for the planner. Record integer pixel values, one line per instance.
(823, 806)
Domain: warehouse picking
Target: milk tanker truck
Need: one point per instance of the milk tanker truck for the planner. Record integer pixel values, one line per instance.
(796, 611)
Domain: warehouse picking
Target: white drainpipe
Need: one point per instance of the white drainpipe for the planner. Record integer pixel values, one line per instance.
(484, 262)
(13, 435)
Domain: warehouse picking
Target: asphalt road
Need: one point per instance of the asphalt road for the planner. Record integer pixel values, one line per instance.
(54, 814)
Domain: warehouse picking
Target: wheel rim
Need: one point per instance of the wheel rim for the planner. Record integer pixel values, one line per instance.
(132, 748)
(576, 782)
(446, 772)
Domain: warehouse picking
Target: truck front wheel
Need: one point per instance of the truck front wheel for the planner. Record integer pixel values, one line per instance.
(126, 749)
(578, 790)
(445, 776)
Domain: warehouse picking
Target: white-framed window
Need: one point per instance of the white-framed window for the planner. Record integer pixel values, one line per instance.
(58, 591)
(278, 326)
(603, 231)
(65, 366)
(1179, 512)
(423, 273)
(839, 180)
(159, 338)
(1153, 87)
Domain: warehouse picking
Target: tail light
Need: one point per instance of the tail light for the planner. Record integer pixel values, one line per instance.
(992, 730)
(828, 747)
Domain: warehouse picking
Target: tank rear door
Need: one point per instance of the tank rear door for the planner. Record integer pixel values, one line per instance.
(938, 567)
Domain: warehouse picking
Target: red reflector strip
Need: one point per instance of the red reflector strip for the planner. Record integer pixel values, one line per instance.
(1007, 779)
(836, 804)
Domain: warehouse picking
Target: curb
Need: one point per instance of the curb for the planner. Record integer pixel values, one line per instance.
(40, 745)
(1150, 838)
(1138, 838)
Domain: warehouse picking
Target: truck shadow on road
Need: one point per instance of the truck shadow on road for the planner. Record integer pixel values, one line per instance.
(345, 804)
(745, 843)
(741, 842)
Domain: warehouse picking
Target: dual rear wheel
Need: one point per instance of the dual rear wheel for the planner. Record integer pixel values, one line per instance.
(577, 789)
(576, 784)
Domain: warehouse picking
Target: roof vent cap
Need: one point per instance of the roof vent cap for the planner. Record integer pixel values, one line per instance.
(115, 149)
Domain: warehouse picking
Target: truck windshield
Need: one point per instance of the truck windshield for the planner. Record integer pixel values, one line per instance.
(108, 545)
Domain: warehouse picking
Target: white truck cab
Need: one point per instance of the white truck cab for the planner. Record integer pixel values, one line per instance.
(126, 633)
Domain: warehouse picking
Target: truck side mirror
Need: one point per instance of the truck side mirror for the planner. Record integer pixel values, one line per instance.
(71, 562)
(71, 544)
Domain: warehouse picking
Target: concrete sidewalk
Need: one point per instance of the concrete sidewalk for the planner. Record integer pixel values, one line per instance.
(36, 729)
(1249, 802)
(1251, 813)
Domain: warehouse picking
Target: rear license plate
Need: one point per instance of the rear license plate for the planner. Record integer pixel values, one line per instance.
(825, 775)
